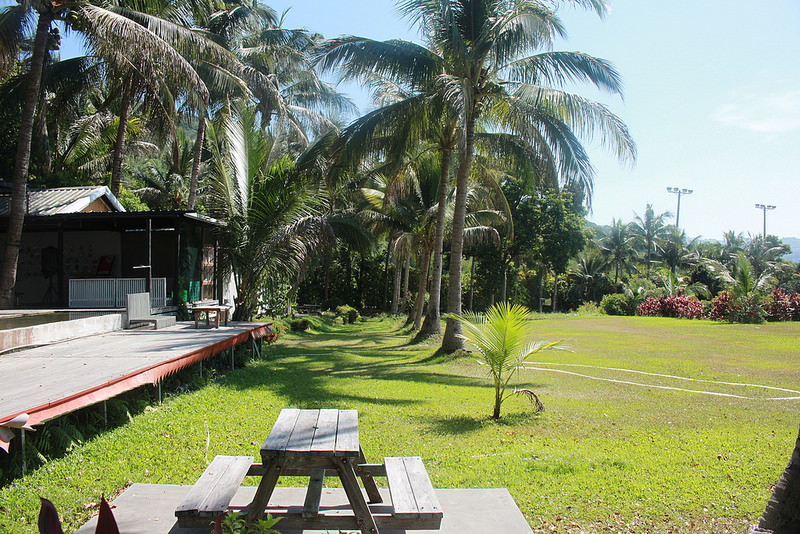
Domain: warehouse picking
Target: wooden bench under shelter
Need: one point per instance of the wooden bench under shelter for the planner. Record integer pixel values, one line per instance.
(316, 444)
(137, 306)
(209, 308)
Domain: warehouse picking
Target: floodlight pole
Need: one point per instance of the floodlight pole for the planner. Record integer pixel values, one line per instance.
(764, 208)
(679, 191)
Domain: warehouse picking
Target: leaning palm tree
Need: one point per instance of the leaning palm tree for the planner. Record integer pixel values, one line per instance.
(503, 339)
(650, 229)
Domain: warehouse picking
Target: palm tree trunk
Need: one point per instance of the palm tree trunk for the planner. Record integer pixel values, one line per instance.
(398, 273)
(541, 285)
(419, 304)
(387, 259)
(554, 307)
(433, 320)
(451, 342)
(471, 282)
(19, 191)
(198, 154)
(119, 144)
(782, 513)
(406, 273)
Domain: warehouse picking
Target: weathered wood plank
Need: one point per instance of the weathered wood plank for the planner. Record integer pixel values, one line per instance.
(219, 498)
(281, 432)
(375, 470)
(400, 489)
(367, 478)
(427, 502)
(347, 435)
(325, 432)
(303, 433)
(314, 494)
(350, 484)
(212, 492)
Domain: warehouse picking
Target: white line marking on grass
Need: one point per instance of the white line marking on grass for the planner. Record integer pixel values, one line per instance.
(701, 392)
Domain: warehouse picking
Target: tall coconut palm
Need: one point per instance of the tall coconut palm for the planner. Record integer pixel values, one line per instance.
(618, 248)
(491, 69)
(649, 230)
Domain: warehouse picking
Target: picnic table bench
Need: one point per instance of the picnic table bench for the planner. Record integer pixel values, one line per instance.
(316, 444)
(209, 308)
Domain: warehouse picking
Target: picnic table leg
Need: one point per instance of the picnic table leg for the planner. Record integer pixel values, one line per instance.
(196, 318)
(366, 479)
(265, 488)
(208, 319)
(216, 318)
(366, 523)
(314, 494)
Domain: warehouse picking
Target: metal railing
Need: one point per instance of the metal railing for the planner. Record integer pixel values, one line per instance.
(110, 292)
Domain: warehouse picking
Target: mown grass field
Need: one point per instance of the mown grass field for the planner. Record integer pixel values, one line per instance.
(614, 451)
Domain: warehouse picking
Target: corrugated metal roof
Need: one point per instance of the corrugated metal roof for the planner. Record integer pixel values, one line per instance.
(61, 200)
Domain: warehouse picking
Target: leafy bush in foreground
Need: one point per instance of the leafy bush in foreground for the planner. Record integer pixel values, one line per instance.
(618, 304)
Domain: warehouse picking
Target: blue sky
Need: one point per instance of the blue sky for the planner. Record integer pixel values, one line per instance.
(712, 97)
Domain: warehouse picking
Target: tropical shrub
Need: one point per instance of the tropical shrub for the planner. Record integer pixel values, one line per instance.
(347, 313)
(618, 304)
(783, 306)
(502, 336)
(745, 309)
(681, 306)
(300, 325)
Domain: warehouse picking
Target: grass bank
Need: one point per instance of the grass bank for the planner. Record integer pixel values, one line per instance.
(615, 449)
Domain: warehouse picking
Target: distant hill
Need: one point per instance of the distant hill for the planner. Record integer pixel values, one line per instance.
(793, 242)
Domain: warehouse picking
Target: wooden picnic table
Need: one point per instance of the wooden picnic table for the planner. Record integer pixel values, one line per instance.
(314, 441)
(198, 310)
(316, 444)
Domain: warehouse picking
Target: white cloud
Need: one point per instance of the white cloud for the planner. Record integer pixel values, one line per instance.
(771, 113)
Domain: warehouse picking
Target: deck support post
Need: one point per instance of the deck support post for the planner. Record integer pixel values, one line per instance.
(24, 455)
(159, 391)
(230, 351)
(105, 413)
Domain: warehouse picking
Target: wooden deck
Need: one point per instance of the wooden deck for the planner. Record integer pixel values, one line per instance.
(46, 382)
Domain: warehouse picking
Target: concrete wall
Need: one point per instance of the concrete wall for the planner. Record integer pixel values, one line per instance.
(53, 332)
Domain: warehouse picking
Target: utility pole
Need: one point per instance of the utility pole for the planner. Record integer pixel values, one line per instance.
(679, 191)
(764, 208)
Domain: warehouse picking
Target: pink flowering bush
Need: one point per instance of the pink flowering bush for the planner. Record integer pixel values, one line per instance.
(681, 306)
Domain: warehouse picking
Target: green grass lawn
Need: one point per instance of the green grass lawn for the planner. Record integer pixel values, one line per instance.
(606, 455)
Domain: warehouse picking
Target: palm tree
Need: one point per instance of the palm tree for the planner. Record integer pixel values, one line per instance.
(503, 339)
(675, 251)
(588, 272)
(482, 49)
(649, 230)
(618, 247)
(741, 279)
(270, 207)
